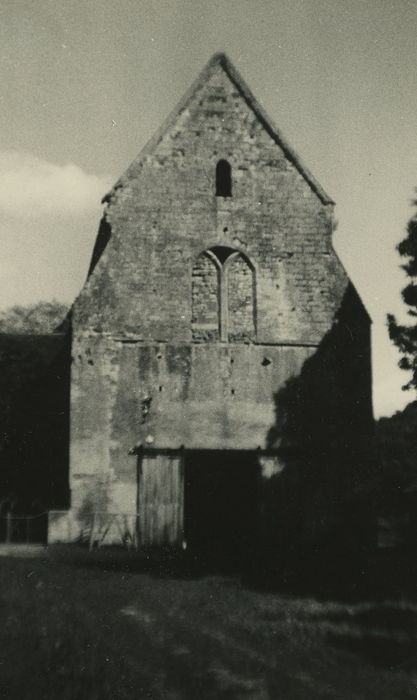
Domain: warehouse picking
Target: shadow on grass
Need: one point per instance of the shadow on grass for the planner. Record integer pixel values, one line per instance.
(367, 607)
(364, 613)
(383, 634)
(384, 651)
(161, 563)
(383, 575)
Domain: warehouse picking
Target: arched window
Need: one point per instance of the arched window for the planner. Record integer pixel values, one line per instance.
(223, 297)
(240, 299)
(223, 179)
(205, 318)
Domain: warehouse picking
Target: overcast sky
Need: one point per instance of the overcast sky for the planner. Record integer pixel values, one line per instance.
(86, 82)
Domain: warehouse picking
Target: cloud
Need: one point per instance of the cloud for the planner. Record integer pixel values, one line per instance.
(34, 188)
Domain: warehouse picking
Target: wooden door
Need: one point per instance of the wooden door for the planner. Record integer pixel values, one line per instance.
(160, 500)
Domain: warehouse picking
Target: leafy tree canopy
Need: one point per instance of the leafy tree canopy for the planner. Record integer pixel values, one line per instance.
(39, 318)
(405, 336)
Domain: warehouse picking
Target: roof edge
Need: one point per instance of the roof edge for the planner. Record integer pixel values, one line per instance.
(270, 126)
(234, 75)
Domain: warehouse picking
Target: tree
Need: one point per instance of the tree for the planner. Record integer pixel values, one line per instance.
(405, 336)
(42, 317)
(397, 451)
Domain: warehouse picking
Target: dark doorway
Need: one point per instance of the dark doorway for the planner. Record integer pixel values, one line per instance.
(221, 505)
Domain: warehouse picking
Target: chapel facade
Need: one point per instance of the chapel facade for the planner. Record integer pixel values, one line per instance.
(221, 373)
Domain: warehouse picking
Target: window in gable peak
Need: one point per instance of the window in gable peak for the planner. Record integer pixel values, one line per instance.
(223, 179)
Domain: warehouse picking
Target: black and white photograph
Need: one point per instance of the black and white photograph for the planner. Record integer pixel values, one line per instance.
(208, 350)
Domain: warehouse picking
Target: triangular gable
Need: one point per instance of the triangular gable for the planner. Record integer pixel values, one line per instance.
(220, 59)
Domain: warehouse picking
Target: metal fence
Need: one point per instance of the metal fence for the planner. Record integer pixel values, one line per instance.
(29, 529)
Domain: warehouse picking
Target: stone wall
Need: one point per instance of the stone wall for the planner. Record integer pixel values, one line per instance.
(164, 213)
(174, 347)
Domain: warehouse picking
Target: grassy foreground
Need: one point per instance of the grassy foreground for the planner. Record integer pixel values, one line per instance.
(76, 626)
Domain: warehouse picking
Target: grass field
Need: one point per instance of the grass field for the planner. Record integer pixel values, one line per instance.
(79, 626)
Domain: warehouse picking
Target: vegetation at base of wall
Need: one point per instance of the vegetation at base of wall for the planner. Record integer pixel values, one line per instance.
(405, 336)
(40, 318)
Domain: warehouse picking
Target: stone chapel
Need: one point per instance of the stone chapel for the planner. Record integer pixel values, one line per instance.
(220, 383)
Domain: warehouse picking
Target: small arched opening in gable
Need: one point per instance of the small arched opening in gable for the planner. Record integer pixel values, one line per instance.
(223, 179)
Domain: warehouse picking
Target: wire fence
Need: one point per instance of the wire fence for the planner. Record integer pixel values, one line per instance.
(28, 529)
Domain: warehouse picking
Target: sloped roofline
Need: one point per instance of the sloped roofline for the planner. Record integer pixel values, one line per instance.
(220, 59)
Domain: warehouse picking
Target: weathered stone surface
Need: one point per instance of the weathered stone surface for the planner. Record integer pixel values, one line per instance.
(165, 213)
(215, 322)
